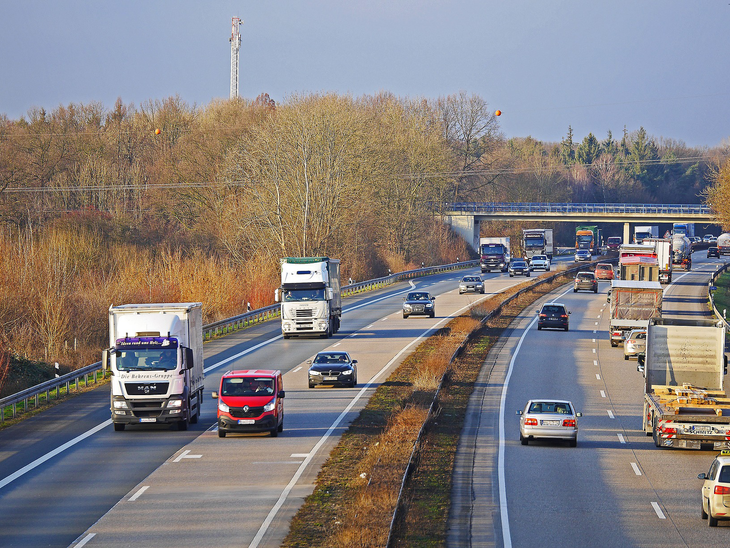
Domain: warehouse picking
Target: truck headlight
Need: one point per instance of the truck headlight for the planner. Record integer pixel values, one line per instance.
(223, 407)
(174, 403)
(120, 404)
(270, 406)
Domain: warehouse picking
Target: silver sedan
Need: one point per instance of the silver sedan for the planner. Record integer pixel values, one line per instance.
(471, 283)
(551, 419)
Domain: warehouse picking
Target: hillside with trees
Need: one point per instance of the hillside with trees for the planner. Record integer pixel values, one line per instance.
(174, 202)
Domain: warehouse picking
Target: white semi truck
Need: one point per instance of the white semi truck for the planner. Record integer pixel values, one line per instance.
(156, 361)
(685, 404)
(310, 296)
(538, 241)
(646, 231)
(663, 248)
(633, 304)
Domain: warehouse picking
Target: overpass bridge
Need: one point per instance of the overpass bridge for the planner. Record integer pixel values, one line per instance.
(465, 217)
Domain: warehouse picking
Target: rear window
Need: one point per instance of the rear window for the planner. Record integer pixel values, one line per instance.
(553, 309)
(603, 267)
(585, 276)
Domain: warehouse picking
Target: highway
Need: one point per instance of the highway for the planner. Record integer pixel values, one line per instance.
(69, 479)
(615, 488)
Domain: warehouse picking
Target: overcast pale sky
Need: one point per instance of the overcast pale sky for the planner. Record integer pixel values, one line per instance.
(546, 64)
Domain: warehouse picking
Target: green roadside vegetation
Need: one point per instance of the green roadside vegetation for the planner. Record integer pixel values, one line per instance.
(357, 489)
(722, 294)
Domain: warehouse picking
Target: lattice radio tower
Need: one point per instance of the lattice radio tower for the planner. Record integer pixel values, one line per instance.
(235, 40)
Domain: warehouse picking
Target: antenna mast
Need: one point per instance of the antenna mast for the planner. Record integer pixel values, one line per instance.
(235, 41)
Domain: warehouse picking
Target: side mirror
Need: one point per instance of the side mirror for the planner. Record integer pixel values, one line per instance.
(276, 295)
(309, 362)
(640, 368)
(282, 393)
(579, 414)
(569, 312)
(519, 412)
(433, 297)
(354, 361)
(702, 476)
(188, 357)
(214, 395)
(105, 360)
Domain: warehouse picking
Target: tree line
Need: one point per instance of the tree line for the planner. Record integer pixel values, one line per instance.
(170, 201)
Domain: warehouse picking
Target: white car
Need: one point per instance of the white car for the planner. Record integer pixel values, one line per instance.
(716, 490)
(540, 262)
(552, 419)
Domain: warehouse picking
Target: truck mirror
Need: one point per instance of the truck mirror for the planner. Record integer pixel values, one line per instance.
(276, 295)
(105, 360)
(725, 363)
(188, 360)
(330, 294)
(282, 393)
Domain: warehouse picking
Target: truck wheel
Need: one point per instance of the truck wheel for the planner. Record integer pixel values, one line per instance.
(118, 427)
(654, 433)
(285, 336)
(626, 357)
(183, 425)
(221, 433)
(196, 416)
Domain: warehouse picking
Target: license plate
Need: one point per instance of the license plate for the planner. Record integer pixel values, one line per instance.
(246, 421)
(701, 430)
(550, 423)
(148, 419)
(330, 378)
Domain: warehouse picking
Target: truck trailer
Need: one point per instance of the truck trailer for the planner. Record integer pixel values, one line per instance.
(663, 249)
(538, 241)
(723, 243)
(633, 304)
(310, 296)
(494, 254)
(156, 361)
(682, 252)
(685, 404)
(638, 262)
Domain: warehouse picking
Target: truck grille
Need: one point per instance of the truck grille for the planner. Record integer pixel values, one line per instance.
(146, 408)
(146, 388)
(239, 413)
(306, 313)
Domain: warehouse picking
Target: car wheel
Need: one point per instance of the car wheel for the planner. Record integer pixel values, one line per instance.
(528, 274)
(595, 290)
(286, 336)
(523, 440)
(703, 514)
(118, 427)
(539, 327)
(405, 316)
(575, 290)
(573, 443)
(510, 275)
(275, 432)
(626, 357)
(712, 522)
(613, 344)
(281, 426)
(311, 385)
(566, 328)
(221, 433)
(433, 314)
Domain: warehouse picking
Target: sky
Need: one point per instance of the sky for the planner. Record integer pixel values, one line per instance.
(546, 64)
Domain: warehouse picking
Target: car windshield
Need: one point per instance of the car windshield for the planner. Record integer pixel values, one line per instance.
(471, 279)
(550, 407)
(247, 386)
(331, 357)
(518, 264)
(418, 296)
(539, 258)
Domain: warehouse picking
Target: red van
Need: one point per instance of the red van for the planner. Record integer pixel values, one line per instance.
(251, 401)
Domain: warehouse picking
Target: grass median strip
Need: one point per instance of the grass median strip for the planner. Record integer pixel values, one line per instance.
(357, 489)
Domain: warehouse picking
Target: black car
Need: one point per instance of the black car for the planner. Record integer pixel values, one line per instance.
(332, 368)
(713, 251)
(419, 303)
(553, 315)
(518, 267)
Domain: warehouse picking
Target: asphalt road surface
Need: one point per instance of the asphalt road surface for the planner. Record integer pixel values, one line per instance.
(615, 488)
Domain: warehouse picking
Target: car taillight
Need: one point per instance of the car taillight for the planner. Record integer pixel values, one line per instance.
(530, 422)
(569, 422)
(543, 315)
(722, 490)
(563, 315)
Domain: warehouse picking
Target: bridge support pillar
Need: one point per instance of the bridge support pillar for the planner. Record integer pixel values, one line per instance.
(627, 233)
(466, 226)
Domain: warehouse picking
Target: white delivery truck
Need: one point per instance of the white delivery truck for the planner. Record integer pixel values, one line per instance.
(647, 231)
(663, 249)
(538, 241)
(310, 296)
(494, 254)
(633, 304)
(685, 404)
(156, 361)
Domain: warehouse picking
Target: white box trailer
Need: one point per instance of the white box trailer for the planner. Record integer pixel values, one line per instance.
(633, 304)
(663, 249)
(685, 404)
(156, 359)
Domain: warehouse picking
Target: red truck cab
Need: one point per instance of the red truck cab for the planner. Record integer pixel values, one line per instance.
(250, 401)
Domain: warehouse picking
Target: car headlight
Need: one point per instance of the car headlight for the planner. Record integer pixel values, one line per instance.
(429, 305)
(120, 404)
(174, 403)
(223, 407)
(406, 307)
(347, 372)
(270, 406)
(315, 373)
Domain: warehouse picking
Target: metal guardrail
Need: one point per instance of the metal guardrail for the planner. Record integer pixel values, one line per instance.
(713, 279)
(410, 467)
(529, 207)
(210, 331)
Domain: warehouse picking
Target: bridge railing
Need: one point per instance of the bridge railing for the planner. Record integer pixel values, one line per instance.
(530, 207)
(54, 387)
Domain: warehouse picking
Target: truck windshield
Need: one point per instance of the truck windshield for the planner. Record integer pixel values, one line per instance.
(294, 295)
(492, 250)
(534, 242)
(147, 359)
(584, 241)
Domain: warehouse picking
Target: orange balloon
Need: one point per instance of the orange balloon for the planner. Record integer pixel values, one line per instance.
(498, 113)
(158, 131)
